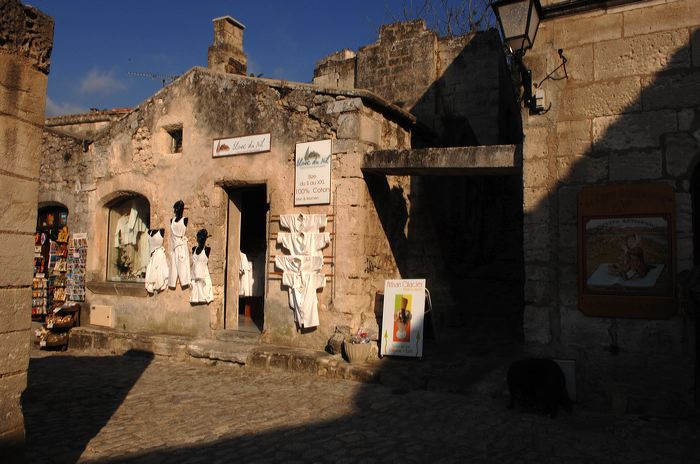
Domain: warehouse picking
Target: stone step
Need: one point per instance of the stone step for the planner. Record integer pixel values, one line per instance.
(237, 336)
(218, 350)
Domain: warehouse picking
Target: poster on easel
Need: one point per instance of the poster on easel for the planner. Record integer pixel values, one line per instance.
(402, 318)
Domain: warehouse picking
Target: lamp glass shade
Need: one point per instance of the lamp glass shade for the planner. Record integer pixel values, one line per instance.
(519, 21)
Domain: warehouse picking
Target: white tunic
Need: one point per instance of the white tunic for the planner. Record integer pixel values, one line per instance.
(303, 222)
(302, 295)
(245, 273)
(157, 270)
(304, 243)
(202, 291)
(179, 254)
(289, 263)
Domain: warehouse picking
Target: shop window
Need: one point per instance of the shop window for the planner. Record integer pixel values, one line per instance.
(175, 134)
(127, 238)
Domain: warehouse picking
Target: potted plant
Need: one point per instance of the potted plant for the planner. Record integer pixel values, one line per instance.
(358, 347)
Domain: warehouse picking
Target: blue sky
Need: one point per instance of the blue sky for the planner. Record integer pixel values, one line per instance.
(97, 43)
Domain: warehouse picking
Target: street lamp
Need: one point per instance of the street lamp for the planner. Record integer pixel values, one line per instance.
(519, 20)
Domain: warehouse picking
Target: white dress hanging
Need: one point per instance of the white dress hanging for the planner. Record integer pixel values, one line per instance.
(202, 291)
(157, 270)
(303, 300)
(179, 254)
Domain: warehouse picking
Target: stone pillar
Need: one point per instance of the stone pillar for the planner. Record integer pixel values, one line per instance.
(26, 38)
(226, 53)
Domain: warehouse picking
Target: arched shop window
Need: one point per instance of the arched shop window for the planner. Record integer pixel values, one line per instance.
(127, 250)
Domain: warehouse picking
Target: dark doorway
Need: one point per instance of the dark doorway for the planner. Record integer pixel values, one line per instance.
(246, 258)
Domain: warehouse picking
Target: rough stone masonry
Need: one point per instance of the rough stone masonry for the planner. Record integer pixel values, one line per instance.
(26, 39)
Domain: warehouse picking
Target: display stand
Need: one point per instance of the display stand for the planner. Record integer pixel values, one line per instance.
(56, 327)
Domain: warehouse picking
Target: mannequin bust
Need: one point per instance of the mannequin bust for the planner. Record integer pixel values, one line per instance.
(152, 232)
(202, 236)
(179, 209)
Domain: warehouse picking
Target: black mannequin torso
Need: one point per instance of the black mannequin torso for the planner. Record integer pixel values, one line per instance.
(179, 209)
(152, 232)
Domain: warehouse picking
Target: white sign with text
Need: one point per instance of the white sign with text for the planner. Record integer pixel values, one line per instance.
(402, 317)
(312, 175)
(241, 145)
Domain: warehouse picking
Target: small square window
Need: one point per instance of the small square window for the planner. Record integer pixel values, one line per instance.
(175, 139)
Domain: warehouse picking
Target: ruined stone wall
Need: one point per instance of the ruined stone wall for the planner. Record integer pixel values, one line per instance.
(133, 156)
(628, 112)
(427, 75)
(85, 126)
(336, 70)
(66, 177)
(26, 38)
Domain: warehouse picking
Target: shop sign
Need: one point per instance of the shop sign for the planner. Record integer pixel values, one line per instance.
(312, 174)
(627, 251)
(241, 145)
(402, 317)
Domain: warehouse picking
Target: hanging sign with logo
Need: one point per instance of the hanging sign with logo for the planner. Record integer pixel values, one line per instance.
(241, 145)
(402, 317)
(312, 175)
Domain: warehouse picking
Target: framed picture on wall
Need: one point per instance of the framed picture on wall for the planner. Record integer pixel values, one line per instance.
(626, 251)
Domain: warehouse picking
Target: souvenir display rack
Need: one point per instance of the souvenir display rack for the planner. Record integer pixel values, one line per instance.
(57, 325)
(58, 254)
(75, 276)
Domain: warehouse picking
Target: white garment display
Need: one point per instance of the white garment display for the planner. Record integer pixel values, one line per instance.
(289, 263)
(157, 270)
(202, 291)
(128, 229)
(179, 254)
(303, 222)
(304, 243)
(302, 295)
(130, 235)
(245, 272)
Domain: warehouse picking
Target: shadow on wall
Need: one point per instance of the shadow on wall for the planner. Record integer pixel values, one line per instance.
(54, 385)
(603, 141)
(463, 233)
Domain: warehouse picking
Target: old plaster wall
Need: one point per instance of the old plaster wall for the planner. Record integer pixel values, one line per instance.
(26, 38)
(132, 157)
(628, 112)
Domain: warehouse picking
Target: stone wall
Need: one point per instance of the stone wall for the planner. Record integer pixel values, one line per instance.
(628, 112)
(26, 38)
(132, 156)
(412, 67)
(85, 126)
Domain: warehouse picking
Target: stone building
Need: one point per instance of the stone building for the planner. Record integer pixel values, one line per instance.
(26, 38)
(621, 114)
(627, 115)
(437, 173)
(162, 152)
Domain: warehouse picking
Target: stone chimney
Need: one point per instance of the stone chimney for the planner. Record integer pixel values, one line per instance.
(226, 53)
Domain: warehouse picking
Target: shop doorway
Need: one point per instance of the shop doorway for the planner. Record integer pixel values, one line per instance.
(246, 254)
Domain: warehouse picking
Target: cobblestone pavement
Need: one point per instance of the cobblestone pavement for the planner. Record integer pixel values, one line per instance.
(91, 407)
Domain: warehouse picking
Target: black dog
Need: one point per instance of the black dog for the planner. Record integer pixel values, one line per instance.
(539, 383)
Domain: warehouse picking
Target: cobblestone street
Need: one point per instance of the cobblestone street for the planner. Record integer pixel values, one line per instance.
(92, 407)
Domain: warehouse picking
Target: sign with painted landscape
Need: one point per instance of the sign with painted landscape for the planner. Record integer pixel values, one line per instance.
(402, 317)
(627, 251)
(241, 145)
(312, 185)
